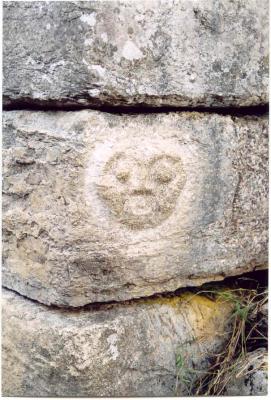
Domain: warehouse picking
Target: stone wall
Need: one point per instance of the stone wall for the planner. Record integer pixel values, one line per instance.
(150, 53)
(135, 150)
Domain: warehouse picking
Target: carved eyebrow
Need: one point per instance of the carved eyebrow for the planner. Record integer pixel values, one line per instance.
(118, 156)
(162, 157)
(122, 156)
(117, 159)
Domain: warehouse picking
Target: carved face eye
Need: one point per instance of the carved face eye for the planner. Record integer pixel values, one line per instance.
(164, 169)
(164, 176)
(123, 176)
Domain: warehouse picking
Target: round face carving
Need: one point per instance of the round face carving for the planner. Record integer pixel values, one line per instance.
(141, 191)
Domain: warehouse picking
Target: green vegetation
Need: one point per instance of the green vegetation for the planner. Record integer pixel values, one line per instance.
(248, 322)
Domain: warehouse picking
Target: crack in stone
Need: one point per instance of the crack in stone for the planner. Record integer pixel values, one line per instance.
(99, 306)
(29, 105)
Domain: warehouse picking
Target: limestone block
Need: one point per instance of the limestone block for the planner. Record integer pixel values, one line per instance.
(107, 350)
(126, 53)
(101, 207)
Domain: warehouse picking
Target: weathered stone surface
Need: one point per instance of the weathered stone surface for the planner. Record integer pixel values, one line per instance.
(101, 207)
(155, 53)
(252, 377)
(117, 350)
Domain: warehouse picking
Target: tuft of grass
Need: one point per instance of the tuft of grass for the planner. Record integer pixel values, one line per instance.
(249, 332)
(248, 321)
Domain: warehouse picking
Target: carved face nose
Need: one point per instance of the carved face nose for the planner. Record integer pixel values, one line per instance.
(139, 184)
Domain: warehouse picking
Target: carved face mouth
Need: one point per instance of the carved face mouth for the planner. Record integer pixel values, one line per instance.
(138, 205)
(141, 192)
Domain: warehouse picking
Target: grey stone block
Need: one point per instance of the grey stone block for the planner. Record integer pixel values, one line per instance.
(136, 53)
(108, 350)
(100, 207)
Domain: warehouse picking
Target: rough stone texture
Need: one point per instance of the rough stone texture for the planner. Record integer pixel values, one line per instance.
(252, 378)
(100, 207)
(117, 350)
(155, 53)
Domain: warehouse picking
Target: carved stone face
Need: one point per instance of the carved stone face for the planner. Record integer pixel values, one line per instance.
(141, 191)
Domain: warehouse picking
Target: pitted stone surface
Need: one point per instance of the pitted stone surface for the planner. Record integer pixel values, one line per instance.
(131, 53)
(101, 207)
(113, 351)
